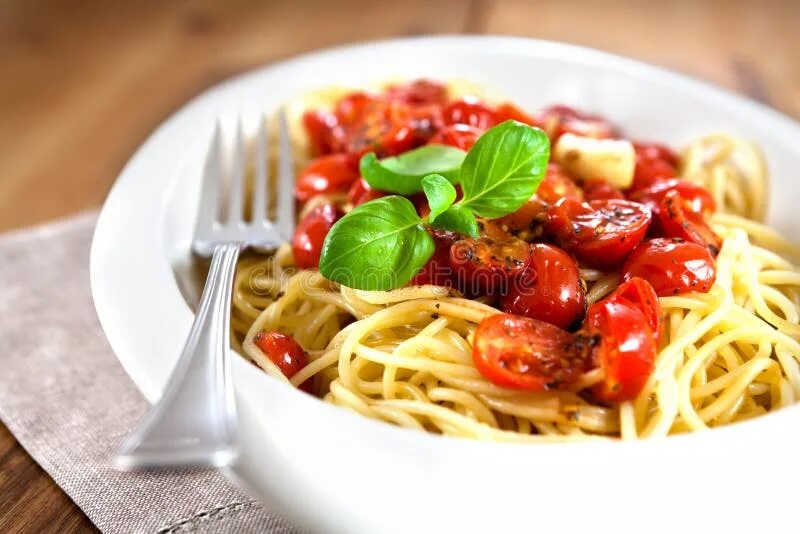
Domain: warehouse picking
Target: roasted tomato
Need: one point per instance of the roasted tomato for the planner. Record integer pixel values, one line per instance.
(549, 289)
(627, 349)
(523, 353)
(508, 111)
(672, 266)
(600, 233)
(419, 92)
(310, 234)
(485, 265)
(638, 293)
(284, 352)
(355, 107)
(558, 120)
(527, 223)
(334, 173)
(557, 185)
(361, 192)
(324, 132)
(460, 136)
(470, 111)
(386, 128)
(699, 199)
(654, 162)
(678, 219)
(437, 271)
(598, 189)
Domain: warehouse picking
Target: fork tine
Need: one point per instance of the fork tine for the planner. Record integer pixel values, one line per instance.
(209, 192)
(285, 210)
(236, 197)
(259, 208)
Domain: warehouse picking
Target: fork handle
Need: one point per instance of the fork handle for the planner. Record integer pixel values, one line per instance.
(194, 421)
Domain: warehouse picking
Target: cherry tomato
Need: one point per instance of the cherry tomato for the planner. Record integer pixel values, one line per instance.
(549, 289)
(284, 352)
(698, 197)
(678, 219)
(425, 122)
(627, 349)
(354, 107)
(386, 128)
(419, 92)
(334, 173)
(485, 265)
(470, 111)
(672, 266)
(310, 234)
(527, 223)
(558, 120)
(600, 233)
(638, 293)
(460, 136)
(654, 162)
(557, 185)
(324, 133)
(437, 271)
(361, 192)
(597, 189)
(523, 353)
(508, 111)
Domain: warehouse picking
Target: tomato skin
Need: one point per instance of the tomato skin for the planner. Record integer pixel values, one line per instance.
(638, 292)
(597, 189)
(361, 192)
(627, 349)
(486, 264)
(527, 223)
(355, 106)
(549, 289)
(386, 128)
(557, 185)
(437, 271)
(419, 92)
(527, 354)
(601, 233)
(470, 111)
(324, 133)
(334, 173)
(672, 266)
(558, 120)
(508, 111)
(678, 219)
(698, 197)
(310, 234)
(284, 352)
(654, 162)
(461, 136)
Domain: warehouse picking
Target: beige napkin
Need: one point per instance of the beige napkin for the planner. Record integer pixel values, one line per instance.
(67, 400)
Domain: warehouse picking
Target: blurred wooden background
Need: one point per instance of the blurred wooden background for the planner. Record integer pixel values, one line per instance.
(83, 82)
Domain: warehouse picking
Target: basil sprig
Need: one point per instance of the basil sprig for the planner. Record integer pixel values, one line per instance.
(381, 244)
(403, 174)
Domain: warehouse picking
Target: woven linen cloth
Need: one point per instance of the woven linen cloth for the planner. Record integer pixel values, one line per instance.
(68, 401)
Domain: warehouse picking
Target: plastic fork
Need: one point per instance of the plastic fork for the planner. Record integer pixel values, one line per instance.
(194, 421)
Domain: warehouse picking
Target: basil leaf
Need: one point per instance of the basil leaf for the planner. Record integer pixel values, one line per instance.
(440, 194)
(403, 174)
(378, 246)
(457, 219)
(504, 168)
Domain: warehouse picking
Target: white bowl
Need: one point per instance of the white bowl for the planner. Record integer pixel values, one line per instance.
(331, 470)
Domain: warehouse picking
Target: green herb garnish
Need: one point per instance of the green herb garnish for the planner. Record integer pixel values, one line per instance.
(403, 174)
(381, 244)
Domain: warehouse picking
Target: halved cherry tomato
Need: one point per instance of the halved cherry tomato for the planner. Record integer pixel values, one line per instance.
(334, 173)
(324, 132)
(654, 162)
(699, 199)
(523, 353)
(310, 234)
(558, 120)
(601, 233)
(508, 111)
(437, 271)
(284, 352)
(485, 265)
(672, 266)
(460, 136)
(678, 219)
(598, 189)
(557, 185)
(354, 107)
(418, 92)
(640, 294)
(361, 192)
(627, 349)
(470, 111)
(527, 223)
(386, 128)
(549, 289)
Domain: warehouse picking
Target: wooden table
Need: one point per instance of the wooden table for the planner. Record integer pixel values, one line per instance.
(84, 82)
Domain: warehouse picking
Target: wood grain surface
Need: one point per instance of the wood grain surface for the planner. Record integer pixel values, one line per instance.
(83, 82)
